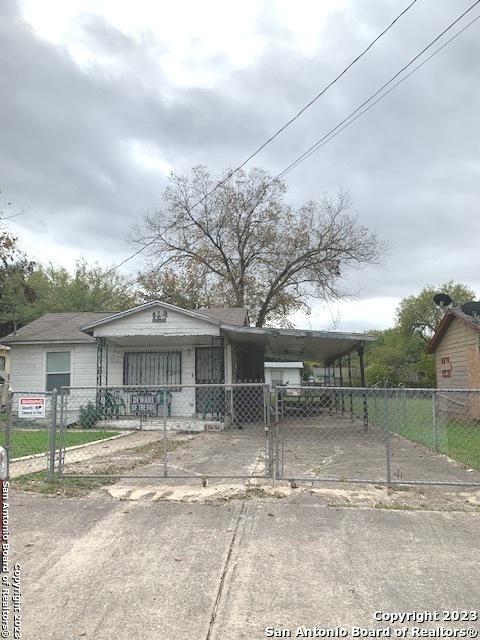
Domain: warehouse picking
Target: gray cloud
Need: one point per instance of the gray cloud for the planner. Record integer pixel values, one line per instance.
(411, 163)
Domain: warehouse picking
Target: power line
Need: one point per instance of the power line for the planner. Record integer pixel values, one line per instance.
(16, 215)
(326, 139)
(343, 124)
(313, 148)
(281, 130)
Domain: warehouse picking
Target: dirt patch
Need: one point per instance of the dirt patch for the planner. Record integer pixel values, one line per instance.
(424, 498)
(111, 466)
(364, 496)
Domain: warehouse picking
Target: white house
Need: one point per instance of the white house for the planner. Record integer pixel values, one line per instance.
(4, 373)
(283, 373)
(156, 344)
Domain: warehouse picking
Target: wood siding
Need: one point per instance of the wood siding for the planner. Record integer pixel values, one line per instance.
(28, 365)
(460, 344)
(140, 324)
(28, 371)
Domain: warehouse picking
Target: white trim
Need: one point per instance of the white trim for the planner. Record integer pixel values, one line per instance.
(46, 351)
(297, 333)
(149, 305)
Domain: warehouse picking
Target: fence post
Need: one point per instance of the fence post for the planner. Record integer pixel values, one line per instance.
(8, 429)
(434, 420)
(53, 434)
(61, 448)
(165, 444)
(268, 432)
(387, 435)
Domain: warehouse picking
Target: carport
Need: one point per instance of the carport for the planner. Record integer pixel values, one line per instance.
(329, 347)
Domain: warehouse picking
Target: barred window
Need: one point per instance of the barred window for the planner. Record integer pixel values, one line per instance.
(152, 368)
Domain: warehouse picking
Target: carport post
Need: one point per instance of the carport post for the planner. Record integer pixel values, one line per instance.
(350, 384)
(165, 470)
(387, 435)
(360, 352)
(434, 420)
(53, 434)
(341, 384)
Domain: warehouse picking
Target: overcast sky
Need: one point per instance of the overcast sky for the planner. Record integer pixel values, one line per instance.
(101, 99)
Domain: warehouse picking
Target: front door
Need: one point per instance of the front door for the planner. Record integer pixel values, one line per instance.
(209, 369)
(209, 365)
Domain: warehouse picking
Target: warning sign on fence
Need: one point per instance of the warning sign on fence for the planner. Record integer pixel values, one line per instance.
(31, 407)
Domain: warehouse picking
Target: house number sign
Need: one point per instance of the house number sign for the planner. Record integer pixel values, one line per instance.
(159, 316)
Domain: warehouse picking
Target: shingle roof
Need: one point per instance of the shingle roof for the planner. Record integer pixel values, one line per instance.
(63, 327)
(56, 327)
(237, 316)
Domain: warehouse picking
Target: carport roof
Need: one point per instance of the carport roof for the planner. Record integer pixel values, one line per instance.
(298, 344)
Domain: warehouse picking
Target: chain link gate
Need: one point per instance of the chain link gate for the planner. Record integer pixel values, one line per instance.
(386, 435)
(182, 431)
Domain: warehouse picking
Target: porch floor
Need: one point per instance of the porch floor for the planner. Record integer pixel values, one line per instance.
(180, 423)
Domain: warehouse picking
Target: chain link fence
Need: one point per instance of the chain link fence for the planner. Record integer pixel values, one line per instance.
(317, 434)
(388, 435)
(26, 431)
(211, 430)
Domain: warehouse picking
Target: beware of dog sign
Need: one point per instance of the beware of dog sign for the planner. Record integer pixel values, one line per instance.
(31, 407)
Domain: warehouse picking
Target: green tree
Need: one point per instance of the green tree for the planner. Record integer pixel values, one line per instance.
(88, 288)
(15, 268)
(16, 294)
(418, 314)
(256, 251)
(399, 358)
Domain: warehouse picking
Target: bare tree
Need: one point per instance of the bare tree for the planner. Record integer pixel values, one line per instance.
(250, 246)
(8, 242)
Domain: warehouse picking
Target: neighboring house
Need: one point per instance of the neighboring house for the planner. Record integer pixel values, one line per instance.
(283, 373)
(456, 346)
(157, 344)
(4, 373)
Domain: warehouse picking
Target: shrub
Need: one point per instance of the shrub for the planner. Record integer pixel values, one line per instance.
(90, 414)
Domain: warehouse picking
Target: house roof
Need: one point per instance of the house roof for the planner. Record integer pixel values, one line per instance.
(73, 327)
(452, 314)
(56, 327)
(233, 315)
(288, 344)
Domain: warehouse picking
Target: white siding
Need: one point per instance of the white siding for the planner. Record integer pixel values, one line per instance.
(140, 324)
(28, 371)
(28, 365)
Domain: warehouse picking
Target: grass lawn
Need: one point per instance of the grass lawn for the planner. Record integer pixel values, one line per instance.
(25, 442)
(408, 416)
(412, 418)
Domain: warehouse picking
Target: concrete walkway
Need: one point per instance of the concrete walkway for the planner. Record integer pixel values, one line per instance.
(91, 450)
(99, 567)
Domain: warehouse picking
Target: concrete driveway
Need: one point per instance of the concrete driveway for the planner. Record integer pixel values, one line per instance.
(104, 568)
